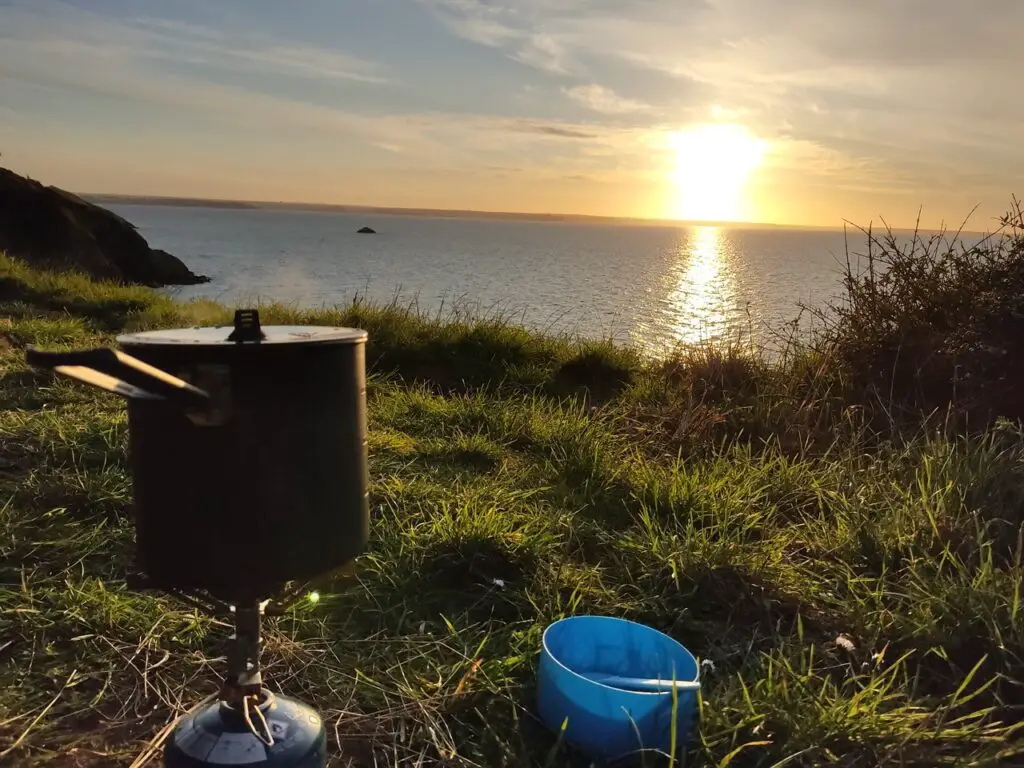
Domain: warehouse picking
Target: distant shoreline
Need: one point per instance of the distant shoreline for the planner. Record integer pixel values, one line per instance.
(444, 213)
(434, 213)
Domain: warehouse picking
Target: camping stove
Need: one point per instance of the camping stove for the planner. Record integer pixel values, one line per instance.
(248, 724)
(254, 432)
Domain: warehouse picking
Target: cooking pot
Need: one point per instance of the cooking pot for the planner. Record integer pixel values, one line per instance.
(247, 448)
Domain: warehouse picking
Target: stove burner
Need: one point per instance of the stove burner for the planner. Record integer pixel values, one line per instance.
(248, 723)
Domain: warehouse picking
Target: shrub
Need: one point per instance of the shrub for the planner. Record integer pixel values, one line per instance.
(935, 325)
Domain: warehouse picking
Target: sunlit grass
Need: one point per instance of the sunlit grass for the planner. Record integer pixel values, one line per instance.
(858, 594)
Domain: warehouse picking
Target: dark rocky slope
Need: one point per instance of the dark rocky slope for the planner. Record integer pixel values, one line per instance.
(53, 229)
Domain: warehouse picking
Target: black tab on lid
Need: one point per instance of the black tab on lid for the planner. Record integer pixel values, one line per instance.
(247, 326)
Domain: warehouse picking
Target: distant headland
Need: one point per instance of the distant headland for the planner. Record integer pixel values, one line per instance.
(49, 228)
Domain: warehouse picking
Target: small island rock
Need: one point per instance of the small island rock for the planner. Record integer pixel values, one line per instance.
(366, 231)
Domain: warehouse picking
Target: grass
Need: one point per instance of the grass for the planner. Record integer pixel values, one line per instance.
(853, 577)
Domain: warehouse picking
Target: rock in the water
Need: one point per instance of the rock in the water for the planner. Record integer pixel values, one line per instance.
(166, 269)
(53, 229)
(366, 231)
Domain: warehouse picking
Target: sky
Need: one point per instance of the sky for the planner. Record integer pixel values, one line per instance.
(805, 112)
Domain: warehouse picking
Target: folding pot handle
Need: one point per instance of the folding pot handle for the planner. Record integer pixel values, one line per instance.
(121, 374)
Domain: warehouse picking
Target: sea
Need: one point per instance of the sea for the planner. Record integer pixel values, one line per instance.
(651, 286)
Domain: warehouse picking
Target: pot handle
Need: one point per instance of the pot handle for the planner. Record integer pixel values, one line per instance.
(121, 374)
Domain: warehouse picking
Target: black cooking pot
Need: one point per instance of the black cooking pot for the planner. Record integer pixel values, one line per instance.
(247, 448)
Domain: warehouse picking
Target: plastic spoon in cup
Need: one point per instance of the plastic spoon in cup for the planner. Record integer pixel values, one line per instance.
(641, 684)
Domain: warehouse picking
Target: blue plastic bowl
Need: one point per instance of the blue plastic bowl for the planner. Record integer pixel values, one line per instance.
(603, 721)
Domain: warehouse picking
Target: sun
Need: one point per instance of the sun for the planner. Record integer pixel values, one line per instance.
(713, 163)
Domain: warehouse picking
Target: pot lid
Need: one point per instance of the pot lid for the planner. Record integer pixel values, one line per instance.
(247, 331)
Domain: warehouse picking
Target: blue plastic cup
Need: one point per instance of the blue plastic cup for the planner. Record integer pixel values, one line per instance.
(608, 722)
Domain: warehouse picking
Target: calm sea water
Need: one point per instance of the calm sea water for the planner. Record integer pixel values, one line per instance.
(650, 286)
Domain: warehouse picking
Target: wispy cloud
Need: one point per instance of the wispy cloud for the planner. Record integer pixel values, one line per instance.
(175, 27)
(481, 29)
(475, 21)
(306, 61)
(915, 89)
(104, 61)
(548, 129)
(604, 100)
(510, 28)
(56, 26)
(543, 52)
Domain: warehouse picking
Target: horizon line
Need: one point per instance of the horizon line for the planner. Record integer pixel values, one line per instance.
(212, 202)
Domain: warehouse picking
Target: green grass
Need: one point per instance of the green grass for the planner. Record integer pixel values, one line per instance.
(748, 507)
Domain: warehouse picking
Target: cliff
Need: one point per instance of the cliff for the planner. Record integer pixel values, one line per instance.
(53, 229)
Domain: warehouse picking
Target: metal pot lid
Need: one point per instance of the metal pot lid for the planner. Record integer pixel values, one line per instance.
(246, 331)
(272, 334)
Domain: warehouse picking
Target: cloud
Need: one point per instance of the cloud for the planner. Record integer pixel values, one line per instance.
(101, 61)
(504, 27)
(60, 28)
(553, 130)
(475, 21)
(604, 100)
(176, 27)
(544, 52)
(910, 55)
(307, 61)
(481, 30)
(919, 87)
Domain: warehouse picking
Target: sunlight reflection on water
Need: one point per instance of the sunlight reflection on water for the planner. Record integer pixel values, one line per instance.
(705, 288)
(698, 299)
